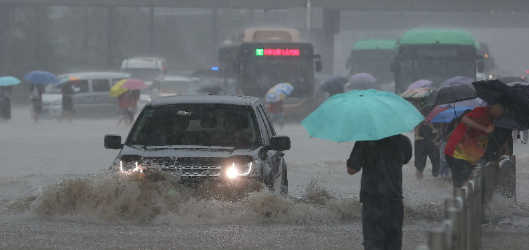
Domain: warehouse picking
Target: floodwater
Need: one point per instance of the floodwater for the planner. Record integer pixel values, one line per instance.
(57, 194)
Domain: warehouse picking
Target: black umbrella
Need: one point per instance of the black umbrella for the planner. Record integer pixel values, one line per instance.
(334, 85)
(452, 94)
(517, 103)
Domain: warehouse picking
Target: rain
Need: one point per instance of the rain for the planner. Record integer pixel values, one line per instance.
(121, 125)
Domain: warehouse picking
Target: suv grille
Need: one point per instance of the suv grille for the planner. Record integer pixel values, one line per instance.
(188, 166)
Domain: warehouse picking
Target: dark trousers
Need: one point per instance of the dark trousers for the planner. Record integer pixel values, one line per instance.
(461, 170)
(425, 148)
(382, 224)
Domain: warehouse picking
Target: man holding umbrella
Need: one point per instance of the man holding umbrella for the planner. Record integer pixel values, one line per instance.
(380, 152)
(274, 97)
(38, 79)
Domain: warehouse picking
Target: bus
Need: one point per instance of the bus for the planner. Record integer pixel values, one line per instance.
(374, 57)
(489, 64)
(435, 55)
(251, 68)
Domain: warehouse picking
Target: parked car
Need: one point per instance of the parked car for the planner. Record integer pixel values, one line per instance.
(91, 94)
(195, 138)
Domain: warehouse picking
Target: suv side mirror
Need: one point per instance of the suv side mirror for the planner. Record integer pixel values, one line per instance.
(280, 143)
(113, 141)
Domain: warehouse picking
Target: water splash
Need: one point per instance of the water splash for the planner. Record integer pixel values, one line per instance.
(158, 198)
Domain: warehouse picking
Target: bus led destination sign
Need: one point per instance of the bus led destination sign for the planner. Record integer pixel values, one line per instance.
(277, 52)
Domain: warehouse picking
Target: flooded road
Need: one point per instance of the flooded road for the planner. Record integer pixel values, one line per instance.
(56, 194)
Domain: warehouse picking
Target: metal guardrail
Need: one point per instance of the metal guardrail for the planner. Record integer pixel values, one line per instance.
(461, 228)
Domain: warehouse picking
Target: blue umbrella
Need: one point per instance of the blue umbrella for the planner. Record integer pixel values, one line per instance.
(41, 77)
(362, 115)
(8, 81)
(448, 115)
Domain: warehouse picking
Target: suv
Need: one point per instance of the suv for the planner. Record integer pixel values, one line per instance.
(207, 137)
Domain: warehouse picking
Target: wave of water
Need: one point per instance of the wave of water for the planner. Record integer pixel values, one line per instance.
(157, 198)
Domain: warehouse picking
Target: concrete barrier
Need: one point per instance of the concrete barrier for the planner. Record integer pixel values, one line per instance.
(461, 228)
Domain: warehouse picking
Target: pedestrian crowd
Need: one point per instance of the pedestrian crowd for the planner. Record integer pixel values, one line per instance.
(458, 132)
(126, 91)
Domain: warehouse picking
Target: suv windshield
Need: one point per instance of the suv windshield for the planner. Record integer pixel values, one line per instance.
(196, 124)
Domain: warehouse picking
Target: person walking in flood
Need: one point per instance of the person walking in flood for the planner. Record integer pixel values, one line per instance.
(67, 102)
(276, 113)
(381, 189)
(425, 147)
(468, 142)
(380, 151)
(5, 103)
(131, 103)
(35, 95)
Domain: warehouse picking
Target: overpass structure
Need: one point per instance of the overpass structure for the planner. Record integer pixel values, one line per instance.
(331, 13)
(371, 5)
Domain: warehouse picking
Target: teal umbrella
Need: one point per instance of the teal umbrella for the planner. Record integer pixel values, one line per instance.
(362, 115)
(8, 81)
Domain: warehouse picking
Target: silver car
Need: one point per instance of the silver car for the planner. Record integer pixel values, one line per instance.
(91, 94)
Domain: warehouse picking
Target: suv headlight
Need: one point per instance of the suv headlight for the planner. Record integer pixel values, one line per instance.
(129, 167)
(241, 169)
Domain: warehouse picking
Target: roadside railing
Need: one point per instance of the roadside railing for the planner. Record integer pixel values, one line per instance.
(463, 212)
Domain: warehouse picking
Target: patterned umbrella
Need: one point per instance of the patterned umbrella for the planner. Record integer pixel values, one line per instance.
(417, 93)
(279, 92)
(420, 84)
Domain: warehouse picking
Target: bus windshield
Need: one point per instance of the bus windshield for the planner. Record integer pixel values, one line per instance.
(374, 62)
(435, 64)
(262, 74)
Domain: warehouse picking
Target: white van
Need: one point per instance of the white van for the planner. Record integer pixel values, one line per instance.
(144, 68)
(91, 94)
(174, 85)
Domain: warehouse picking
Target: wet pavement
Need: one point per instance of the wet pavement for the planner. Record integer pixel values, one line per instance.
(57, 195)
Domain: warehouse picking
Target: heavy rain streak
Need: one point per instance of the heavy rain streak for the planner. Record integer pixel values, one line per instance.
(232, 125)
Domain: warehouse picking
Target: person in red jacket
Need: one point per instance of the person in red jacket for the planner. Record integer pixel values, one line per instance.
(469, 140)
